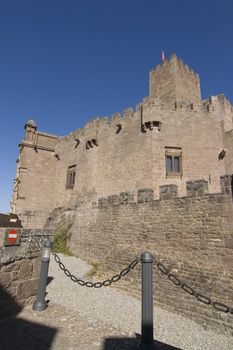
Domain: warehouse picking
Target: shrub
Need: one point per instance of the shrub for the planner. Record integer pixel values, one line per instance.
(62, 235)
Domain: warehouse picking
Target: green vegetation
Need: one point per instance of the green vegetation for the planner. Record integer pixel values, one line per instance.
(94, 270)
(62, 235)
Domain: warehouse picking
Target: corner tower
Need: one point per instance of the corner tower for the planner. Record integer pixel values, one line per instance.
(35, 176)
(175, 83)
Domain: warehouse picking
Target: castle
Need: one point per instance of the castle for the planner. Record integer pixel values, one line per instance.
(172, 137)
(158, 179)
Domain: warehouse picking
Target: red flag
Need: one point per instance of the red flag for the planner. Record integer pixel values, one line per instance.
(163, 56)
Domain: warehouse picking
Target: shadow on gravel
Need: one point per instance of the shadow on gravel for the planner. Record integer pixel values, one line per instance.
(17, 333)
(133, 344)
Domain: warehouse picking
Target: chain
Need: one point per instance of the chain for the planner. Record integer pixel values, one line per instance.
(202, 298)
(163, 269)
(105, 283)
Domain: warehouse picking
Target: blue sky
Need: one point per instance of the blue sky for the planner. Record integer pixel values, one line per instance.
(63, 62)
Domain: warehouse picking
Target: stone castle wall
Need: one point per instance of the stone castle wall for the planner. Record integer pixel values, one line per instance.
(128, 152)
(19, 271)
(228, 144)
(18, 283)
(192, 236)
(132, 159)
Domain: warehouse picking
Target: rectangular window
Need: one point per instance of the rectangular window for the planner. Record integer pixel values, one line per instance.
(70, 178)
(173, 161)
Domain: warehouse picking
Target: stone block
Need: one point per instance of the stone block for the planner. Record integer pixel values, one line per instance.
(27, 289)
(25, 271)
(13, 266)
(113, 200)
(226, 184)
(102, 203)
(227, 260)
(14, 275)
(229, 243)
(168, 191)
(5, 279)
(197, 188)
(128, 113)
(145, 195)
(116, 117)
(126, 197)
(36, 267)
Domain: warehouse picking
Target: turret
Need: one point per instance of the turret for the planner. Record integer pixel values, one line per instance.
(30, 129)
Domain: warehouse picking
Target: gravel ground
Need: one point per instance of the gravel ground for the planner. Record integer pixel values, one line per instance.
(116, 309)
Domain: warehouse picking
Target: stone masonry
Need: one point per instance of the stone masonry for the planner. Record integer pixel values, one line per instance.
(192, 236)
(20, 269)
(130, 151)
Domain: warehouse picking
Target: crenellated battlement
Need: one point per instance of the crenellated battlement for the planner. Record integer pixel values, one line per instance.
(197, 188)
(220, 101)
(129, 150)
(173, 86)
(183, 66)
(180, 64)
(225, 103)
(174, 82)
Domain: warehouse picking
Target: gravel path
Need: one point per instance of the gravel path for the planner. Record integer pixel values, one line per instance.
(116, 309)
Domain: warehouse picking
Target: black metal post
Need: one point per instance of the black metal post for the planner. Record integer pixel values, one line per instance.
(40, 304)
(147, 301)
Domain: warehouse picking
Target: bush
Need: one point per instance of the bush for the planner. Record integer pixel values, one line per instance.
(62, 235)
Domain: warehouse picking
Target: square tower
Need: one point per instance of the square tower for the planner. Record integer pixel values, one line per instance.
(175, 83)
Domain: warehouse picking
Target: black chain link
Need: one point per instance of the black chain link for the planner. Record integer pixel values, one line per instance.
(163, 269)
(202, 298)
(89, 284)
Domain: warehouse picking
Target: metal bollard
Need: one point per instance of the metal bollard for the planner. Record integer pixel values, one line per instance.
(147, 301)
(40, 304)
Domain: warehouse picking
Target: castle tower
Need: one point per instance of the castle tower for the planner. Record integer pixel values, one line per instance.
(34, 181)
(30, 129)
(175, 83)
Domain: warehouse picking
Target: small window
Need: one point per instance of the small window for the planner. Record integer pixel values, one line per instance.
(173, 162)
(70, 178)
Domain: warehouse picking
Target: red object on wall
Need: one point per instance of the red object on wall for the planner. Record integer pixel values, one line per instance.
(12, 235)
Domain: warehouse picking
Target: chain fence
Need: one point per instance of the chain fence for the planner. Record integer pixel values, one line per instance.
(89, 284)
(161, 267)
(188, 289)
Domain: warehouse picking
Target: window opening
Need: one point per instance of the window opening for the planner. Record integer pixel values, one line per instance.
(173, 157)
(70, 178)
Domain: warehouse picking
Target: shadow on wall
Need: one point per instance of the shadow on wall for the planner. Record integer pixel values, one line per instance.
(17, 333)
(133, 344)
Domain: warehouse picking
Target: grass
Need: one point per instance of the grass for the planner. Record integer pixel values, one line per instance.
(62, 235)
(94, 270)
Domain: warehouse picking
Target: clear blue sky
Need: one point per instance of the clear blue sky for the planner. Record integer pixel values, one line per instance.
(64, 62)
